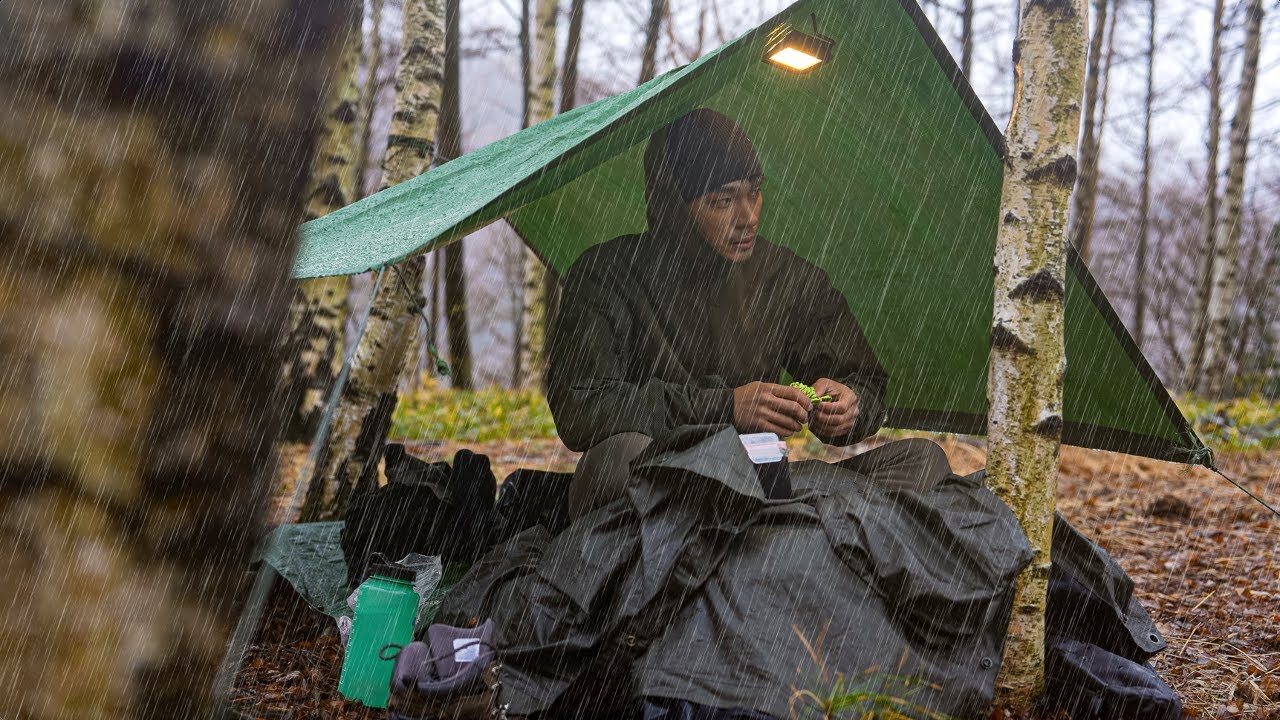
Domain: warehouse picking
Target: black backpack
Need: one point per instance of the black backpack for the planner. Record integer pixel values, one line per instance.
(427, 508)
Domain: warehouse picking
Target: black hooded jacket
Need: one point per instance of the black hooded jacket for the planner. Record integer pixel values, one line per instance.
(655, 330)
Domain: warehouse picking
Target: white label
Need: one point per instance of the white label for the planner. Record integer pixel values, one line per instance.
(466, 650)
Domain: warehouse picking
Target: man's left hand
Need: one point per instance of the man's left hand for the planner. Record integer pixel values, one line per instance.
(836, 417)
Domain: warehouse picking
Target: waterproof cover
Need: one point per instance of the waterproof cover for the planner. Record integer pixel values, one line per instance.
(883, 169)
(696, 587)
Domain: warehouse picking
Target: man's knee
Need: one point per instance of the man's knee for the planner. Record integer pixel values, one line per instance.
(912, 464)
(603, 471)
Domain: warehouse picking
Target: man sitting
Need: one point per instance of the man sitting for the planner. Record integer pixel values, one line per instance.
(694, 320)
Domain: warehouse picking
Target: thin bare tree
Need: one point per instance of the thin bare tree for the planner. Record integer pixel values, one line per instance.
(450, 147)
(1209, 214)
(966, 37)
(539, 281)
(1140, 288)
(1215, 379)
(1086, 194)
(649, 52)
(1024, 390)
(569, 74)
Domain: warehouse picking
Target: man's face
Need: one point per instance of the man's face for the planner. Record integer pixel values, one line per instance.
(728, 218)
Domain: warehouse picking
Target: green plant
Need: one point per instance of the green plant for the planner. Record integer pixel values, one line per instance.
(436, 413)
(1244, 423)
(870, 695)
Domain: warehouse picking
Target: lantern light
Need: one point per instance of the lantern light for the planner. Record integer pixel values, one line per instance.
(798, 51)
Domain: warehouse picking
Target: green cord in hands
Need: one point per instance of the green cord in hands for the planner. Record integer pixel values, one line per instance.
(812, 394)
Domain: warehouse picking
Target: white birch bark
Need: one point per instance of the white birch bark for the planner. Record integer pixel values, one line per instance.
(1027, 359)
(318, 311)
(1215, 382)
(536, 315)
(347, 461)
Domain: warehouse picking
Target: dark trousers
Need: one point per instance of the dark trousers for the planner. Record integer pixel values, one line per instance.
(604, 469)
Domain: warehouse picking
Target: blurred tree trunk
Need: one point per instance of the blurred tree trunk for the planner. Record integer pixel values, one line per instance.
(1086, 194)
(348, 459)
(649, 53)
(1027, 360)
(318, 311)
(1209, 215)
(966, 37)
(455, 278)
(149, 233)
(538, 279)
(1226, 252)
(1144, 195)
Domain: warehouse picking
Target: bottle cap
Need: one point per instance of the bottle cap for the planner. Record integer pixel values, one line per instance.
(393, 571)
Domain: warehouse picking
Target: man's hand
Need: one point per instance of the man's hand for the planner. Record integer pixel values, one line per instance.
(767, 407)
(835, 418)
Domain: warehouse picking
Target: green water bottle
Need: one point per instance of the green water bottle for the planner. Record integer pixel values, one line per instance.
(384, 615)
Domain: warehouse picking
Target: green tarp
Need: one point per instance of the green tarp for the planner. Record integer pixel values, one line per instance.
(882, 168)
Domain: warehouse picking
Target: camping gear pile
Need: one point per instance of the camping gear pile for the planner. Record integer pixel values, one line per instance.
(699, 592)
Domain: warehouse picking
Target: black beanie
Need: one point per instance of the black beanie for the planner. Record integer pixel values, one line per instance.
(705, 150)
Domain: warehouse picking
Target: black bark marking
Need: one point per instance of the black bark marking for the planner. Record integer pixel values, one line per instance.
(1061, 172)
(329, 192)
(1061, 8)
(1050, 427)
(1040, 287)
(1010, 218)
(1003, 338)
(346, 112)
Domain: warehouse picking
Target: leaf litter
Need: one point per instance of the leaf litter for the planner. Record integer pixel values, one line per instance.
(1205, 560)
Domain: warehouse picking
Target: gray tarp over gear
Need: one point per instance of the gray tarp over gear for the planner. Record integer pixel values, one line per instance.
(697, 588)
(884, 171)
(717, 583)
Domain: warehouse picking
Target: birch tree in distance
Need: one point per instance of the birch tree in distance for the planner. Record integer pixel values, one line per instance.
(1024, 390)
(1226, 250)
(348, 458)
(539, 282)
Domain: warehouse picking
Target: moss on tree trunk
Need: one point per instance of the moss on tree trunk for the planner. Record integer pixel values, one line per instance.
(1027, 359)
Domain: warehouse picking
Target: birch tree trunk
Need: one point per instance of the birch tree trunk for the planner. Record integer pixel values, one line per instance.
(1226, 252)
(537, 281)
(649, 53)
(1086, 194)
(348, 460)
(1209, 214)
(1027, 360)
(455, 278)
(1144, 199)
(318, 311)
(148, 235)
